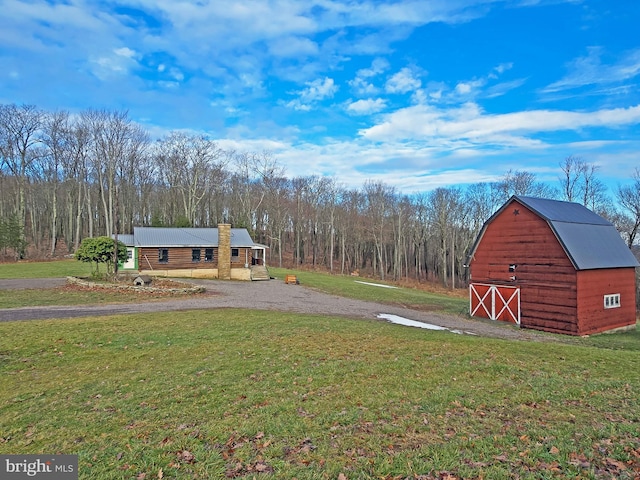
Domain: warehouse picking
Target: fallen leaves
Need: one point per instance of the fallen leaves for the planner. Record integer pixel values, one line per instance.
(185, 456)
(238, 466)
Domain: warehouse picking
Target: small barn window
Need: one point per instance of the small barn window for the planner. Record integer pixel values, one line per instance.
(163, 255)
(612, 301)
(235, 253)
(195, 255)
(208, 254)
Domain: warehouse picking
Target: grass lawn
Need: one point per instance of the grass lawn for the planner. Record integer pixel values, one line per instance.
(53, 269)
(73, 295)
(244, 394)
(66, 295)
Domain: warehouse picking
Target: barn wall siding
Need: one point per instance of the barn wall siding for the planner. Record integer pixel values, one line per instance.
(545, 275)
(593, 285)
(554, 296)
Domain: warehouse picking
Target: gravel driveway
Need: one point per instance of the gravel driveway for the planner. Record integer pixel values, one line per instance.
(265, 295)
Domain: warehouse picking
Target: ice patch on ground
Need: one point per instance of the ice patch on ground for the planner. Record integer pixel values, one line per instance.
(375, 284)
(413, 323)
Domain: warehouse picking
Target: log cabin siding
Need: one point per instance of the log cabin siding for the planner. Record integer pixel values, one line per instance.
(244, 258)
(181, 258)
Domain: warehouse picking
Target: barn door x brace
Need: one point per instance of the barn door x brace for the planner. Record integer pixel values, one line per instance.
(495, 302)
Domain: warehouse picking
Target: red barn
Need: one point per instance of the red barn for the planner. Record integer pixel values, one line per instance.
(553, 266)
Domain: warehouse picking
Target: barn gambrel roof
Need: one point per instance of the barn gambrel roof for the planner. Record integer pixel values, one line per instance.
(186, 237)
(590, 241)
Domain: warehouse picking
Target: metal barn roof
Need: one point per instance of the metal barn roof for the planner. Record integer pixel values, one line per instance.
(590, 241)
(187, 237)
(559, 211)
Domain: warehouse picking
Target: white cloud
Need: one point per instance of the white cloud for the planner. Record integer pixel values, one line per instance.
(117, 63)
(366, 106)
(404, 81)
(316, 91)
(589, 70)
(361, 84)
(361, 87)
(470, 87)
(503, 67)
(503, 88)
(378, 65)
(293, 47)
(468, 122)
(176, 74)
(166, 84)
(125, 52)
(463, 88)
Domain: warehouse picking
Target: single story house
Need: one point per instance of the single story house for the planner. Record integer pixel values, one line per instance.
(554, 266)
(223, 252)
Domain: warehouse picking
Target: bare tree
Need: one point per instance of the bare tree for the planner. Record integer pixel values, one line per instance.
(76, 177)
(380, 202)
(522, 183)
(445, 216)
(185, 163)
(579, 183)
(20, 129)
(116, 145)
(56, 137)
(247, 189)
(629, 198)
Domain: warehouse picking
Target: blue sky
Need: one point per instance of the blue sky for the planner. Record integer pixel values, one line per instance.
(416, 94)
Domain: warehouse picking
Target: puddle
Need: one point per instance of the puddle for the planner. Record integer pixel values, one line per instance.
(375, 284)
(413, 323)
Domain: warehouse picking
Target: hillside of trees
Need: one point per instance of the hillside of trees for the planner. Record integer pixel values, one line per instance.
(66, 177)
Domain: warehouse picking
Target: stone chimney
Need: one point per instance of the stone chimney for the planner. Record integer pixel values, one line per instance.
(224, 251)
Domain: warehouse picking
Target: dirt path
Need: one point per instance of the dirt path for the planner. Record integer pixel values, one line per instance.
(272, 295)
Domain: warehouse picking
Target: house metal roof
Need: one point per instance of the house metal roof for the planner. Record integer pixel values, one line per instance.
(127, 239)
(186, 237)
(590, 241)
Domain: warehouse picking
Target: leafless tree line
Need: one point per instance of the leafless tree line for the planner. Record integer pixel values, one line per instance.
(65, 177)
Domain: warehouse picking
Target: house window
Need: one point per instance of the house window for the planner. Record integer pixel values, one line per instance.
(195, 255)
(235, 253)
(208, 254)
(163, 255)
(612, 301)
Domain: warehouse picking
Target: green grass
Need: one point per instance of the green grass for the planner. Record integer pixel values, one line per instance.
(347, 286)
(70, 295)
(53, 269)
(244, 394)
(629, 340)
(65, 295)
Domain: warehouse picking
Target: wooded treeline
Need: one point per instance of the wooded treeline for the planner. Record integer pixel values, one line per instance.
(65, 177)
